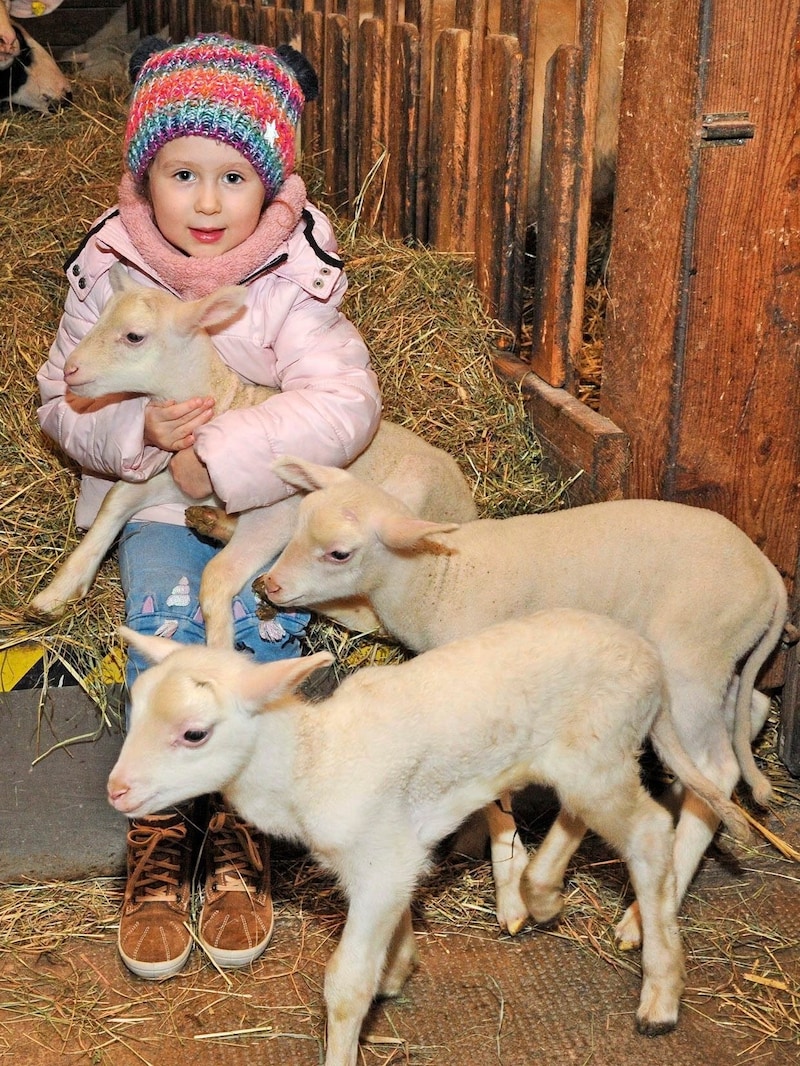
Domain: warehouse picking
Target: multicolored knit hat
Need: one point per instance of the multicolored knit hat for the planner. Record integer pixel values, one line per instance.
(245, 95)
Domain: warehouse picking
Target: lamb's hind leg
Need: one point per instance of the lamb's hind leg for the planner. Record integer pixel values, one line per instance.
(712, 752)
(76, 574)
(543, 879)
(641, 831)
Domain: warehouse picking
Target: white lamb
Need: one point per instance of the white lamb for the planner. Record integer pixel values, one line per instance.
(372, 778)
(172, 357)
(685, 577)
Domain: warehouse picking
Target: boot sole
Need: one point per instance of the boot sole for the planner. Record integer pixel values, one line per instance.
(156, 971)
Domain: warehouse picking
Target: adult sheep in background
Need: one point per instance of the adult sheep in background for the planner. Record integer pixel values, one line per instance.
(372, 778)
(684, 577)
(29, 76)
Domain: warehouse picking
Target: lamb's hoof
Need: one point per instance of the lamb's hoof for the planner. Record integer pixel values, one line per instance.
(31, 612)
(516, 925)
(627, 945)
(648, 1028)
(628, 933)
(547, 924)
(208, 521)
(512, 913)
(544, 906)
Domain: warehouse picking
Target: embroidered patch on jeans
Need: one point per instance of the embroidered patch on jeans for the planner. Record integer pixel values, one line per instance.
(167, 629)
(271, 630)
(179, 597)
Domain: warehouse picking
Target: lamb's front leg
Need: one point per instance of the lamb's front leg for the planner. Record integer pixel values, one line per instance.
(76, 574)
(509, 860)
(258, 537)
(378, 913)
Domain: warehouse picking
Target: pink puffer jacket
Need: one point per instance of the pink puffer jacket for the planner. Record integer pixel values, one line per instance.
(292, 336)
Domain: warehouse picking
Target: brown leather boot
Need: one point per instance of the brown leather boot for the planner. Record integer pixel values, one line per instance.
(236, 920)
(154, 939)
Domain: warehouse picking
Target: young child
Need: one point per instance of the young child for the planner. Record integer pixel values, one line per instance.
(208, 197)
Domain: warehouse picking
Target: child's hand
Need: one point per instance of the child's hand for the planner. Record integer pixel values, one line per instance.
(171, 426)
(190, 474)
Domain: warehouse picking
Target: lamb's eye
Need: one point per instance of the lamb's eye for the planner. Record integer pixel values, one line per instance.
(134, 338)
(338, 556)
(195, 736)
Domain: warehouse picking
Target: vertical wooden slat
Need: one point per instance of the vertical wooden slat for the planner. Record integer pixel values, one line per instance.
(313, 48)
(337, 163)
(420, 14)
(521, 20)
(554, 275)
(400, 204)
(288, 26)
(246, 20)
(370, 144)
(471, 15)
(266, 26)
(565, 203)
(497, 172)
(450, 177)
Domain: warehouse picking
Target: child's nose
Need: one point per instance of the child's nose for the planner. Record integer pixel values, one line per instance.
(207, 202)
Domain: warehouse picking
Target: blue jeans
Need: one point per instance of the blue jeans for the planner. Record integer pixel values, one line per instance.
(160, 567)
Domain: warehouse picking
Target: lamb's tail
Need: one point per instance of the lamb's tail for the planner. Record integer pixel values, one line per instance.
(672, 753)
(742, 741)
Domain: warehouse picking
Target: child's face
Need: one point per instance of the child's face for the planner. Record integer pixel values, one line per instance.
(206, 197)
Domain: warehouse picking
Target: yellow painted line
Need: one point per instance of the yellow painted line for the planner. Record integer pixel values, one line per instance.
(16, 662)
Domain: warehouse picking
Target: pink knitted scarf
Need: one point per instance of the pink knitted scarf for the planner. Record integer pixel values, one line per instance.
(192, 278)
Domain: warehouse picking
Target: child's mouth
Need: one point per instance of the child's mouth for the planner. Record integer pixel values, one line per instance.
(206, 236)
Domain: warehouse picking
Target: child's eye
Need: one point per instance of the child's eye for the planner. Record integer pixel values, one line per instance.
(184, 175)
(233, 178)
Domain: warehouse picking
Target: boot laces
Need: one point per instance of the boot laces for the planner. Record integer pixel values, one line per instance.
(156, 874)
(235, 855)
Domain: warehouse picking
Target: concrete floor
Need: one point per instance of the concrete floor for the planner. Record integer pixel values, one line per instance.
(481, 998)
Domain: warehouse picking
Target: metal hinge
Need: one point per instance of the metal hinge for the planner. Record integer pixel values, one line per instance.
(720, 130)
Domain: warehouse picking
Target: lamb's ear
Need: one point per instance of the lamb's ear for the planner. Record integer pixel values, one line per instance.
(154, 649)
(308, 476)
(214, 310)
(268, 682)
(400, 532)
(120, 279)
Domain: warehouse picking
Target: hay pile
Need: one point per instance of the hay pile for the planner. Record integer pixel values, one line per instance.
(417, 310)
